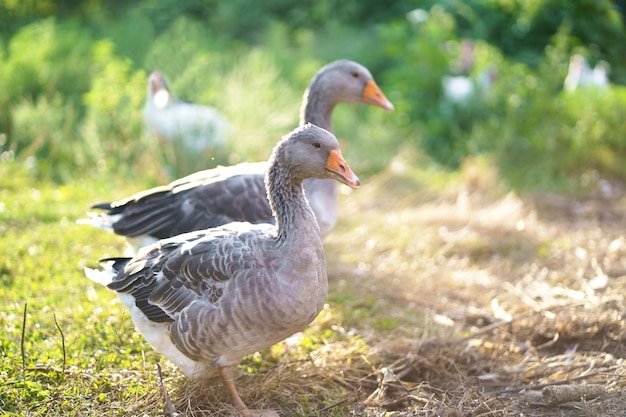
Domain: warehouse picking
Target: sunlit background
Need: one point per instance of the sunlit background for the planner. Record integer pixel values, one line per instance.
(467, 78)
(482, 259)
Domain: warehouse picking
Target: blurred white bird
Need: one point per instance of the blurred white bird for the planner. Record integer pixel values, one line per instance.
(459, 88)
(580, 74)
(193, 131)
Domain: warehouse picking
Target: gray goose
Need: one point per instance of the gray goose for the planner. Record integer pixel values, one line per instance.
(217, 196)
(206, 299)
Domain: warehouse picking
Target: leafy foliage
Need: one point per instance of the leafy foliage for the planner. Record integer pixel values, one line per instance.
(72, 79)
(521, 30)
(113, 106)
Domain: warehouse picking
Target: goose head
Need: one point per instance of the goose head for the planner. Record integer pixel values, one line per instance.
(350, 82)
(313, 152)
(158, 91)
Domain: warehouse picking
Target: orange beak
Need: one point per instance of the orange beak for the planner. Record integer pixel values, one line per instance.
(374, 96)
(337, 168)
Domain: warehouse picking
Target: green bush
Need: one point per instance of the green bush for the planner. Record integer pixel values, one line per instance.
(539, 136)
(71, 102)
(111, 132)
(420, 55)
(131, 32)
(45, 57)
(521, 30)
(44, 130)
(73, 81)
(43, 77)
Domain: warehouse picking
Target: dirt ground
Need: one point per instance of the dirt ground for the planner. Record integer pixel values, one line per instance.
(522, 297)
(465, 300)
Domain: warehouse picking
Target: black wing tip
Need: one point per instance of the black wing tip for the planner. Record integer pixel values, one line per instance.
(118, 263)
(109, 207)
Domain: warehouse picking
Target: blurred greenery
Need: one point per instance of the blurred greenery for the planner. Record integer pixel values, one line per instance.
(73, 84)
(73, 81)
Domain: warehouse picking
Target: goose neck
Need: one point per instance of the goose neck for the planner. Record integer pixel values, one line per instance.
(294, 217)
(317, 108)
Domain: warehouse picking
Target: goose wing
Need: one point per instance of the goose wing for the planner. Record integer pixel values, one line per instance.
(169, 276)
(203, 200)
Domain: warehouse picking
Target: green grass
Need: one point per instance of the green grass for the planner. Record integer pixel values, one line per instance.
(68, 347)
(58, 354)
(417, 261)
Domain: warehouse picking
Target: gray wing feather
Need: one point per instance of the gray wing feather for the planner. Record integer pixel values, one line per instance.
(202, 200)
(171, 275)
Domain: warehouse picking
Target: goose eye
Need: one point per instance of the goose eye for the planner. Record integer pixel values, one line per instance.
(317, 145)
(355, 74)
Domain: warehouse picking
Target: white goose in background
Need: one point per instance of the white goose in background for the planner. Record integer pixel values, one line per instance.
(460, 88)
(208, 298)
(217, 196)
(192, 131)
(580, 74)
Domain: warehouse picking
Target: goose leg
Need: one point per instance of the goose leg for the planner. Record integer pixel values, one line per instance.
(228, 375)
